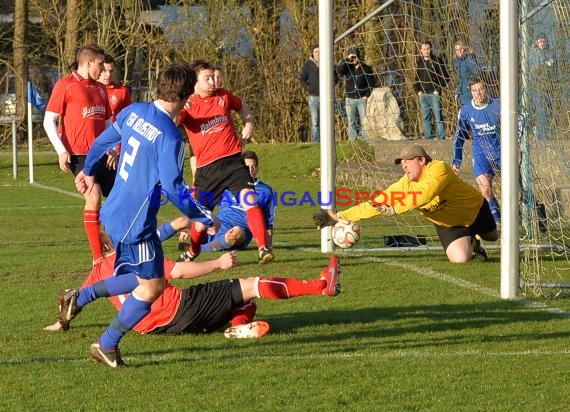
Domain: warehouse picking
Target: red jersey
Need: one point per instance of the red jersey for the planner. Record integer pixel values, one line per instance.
(210, 128)
(162, 310)
(119, 97)
(83, 107)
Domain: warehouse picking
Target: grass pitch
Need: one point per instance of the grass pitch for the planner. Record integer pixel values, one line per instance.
(410, 330)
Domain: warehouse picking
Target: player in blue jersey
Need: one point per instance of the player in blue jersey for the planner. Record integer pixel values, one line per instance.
(150, 172)
(482, 119)
(233, 231)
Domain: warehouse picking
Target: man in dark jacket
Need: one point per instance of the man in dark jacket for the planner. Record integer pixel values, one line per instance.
(309, 79)
(431, 78)
(359, 82)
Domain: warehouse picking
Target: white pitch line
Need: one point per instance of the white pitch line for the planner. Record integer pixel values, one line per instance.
(236, 357)
(51, 188)
(42, 207)
(58, 190)
(430, 273)
(469, 285)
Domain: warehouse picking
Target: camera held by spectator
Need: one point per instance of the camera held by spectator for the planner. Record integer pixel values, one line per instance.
(352, 55)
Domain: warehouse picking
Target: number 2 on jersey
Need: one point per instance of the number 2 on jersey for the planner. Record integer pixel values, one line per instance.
(129, 157)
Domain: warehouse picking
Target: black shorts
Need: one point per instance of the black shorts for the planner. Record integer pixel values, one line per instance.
(484, 223)
(229, 173)
(104, 176)
(205, 307)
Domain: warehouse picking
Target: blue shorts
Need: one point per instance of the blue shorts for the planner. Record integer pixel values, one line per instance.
(483, 165)
(145, 259)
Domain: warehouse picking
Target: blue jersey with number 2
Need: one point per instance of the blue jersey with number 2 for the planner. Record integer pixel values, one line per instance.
(149, 173)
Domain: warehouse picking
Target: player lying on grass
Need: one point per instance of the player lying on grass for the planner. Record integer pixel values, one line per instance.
(456, 209)
(232, 231)
(198, 308)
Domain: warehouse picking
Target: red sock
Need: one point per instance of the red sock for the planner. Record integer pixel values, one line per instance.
(285, 288)
(244, 314)
(256, 224)
(91, 223)
(196, 239)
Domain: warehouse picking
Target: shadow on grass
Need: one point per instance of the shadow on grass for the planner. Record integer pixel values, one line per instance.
(368, 332)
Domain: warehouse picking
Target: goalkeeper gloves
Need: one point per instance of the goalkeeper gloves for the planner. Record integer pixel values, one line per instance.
(386, 209)
(324, 218)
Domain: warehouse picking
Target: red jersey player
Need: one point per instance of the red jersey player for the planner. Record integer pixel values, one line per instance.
(81, 103)
(118, 95)
(207, 119)
(207, 307)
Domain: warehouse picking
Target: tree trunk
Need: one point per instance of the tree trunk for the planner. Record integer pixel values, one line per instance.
(20, 57)
(71, 31)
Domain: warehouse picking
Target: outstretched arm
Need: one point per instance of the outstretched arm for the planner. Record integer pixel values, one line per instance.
(191, 270)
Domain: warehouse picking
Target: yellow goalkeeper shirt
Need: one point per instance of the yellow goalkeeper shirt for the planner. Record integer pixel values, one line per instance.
(439, 194)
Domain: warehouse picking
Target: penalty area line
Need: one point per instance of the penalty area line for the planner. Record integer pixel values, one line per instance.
(430, 273)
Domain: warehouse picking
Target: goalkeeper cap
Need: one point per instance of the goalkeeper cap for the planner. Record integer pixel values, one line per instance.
(409, 152)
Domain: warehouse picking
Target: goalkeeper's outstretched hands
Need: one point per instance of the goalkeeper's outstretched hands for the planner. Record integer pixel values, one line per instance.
(324, 218)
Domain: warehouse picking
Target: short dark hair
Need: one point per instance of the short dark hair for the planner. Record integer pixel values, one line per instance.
(175, 82)
(109, 59)
(250, 154)
(474, 80)
(199, 65)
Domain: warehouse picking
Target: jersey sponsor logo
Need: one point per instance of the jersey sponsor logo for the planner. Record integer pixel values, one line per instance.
(211, 126)
(485, 128)
(93, 111)
(433, 206)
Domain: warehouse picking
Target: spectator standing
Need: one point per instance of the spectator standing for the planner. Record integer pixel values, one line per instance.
(80, 102)
(309, 79)
(431, 78)
(359, 81)
(118, 95)
(481, 117)
(542, 62)
(466, 67)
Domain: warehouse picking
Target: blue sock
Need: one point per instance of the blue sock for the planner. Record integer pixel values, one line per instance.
(113, 286)
(165, 232)
(216, 245)
(495, 208)
(131, 313)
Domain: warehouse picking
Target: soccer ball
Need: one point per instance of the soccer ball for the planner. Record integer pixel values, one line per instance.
(345, 235)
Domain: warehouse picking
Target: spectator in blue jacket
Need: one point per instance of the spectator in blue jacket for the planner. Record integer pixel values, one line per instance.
(466, 67)
(543, 73)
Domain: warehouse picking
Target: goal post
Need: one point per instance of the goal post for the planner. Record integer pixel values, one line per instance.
(533, 185)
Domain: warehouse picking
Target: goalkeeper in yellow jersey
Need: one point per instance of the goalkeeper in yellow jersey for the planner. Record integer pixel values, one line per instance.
(457, 210)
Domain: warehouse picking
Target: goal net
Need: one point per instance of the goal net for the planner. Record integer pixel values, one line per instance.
(390, 43)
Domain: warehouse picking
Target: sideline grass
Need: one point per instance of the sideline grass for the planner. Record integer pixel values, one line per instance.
(410, 331)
